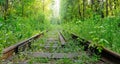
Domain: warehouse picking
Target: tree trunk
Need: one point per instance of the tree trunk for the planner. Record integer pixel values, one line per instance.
(92, 4)
(79, 8)
(5, 9)
(43, 5)
(102, 8)
(22, 8)
(111, 11)
(107, 8)
(83, 9)
(115, 4)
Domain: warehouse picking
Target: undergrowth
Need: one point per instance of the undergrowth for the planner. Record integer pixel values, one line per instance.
(15, 30)
(101, 31)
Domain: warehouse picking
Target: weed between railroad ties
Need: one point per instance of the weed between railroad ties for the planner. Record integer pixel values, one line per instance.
(69, 47)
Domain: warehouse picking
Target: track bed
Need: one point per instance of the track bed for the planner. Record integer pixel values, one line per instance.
(54, 48)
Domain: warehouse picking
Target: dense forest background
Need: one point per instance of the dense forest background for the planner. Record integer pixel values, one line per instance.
(85, 9)
(96, 20)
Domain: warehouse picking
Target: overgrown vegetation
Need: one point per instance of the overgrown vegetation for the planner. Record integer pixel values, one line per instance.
(21, 19)
(70, 47)
(97, 21)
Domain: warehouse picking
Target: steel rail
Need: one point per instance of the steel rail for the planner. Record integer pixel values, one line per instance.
(14, 49)
(106, 54)
(62, 39)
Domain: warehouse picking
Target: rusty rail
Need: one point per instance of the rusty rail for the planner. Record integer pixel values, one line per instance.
(62, 39)
(110, 56)
(8, 52)
(107, 55)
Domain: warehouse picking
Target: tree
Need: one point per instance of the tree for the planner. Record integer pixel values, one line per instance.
(43, 5)
(84, 8)
(79, 8)
(22, 7)
(6, 9)
(107, 12)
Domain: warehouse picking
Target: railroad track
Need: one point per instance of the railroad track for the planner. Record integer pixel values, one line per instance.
(14, 49)
(107, 56)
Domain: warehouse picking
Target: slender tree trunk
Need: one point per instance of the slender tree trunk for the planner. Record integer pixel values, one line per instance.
(107, 8)
(92, 4)
(72, 9)
(83, 9)
(115, 4)
(5, 9)
(79, 8)
(92, 7)
(111, 10)
(102, 7)
(2, 9)
(43, 5)
(22, 8)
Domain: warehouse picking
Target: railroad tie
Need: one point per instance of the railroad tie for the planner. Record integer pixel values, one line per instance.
(54, 55)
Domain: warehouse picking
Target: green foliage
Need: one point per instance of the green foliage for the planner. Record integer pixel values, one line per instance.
(95, 20)
(38, 60)
(84, 9)
(103, 32)
(18, 29)
(64, 61)
(25, 19)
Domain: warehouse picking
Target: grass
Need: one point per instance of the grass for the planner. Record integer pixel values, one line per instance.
(103, 32)
(38, 60)
(70, 47)
(15, 30)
